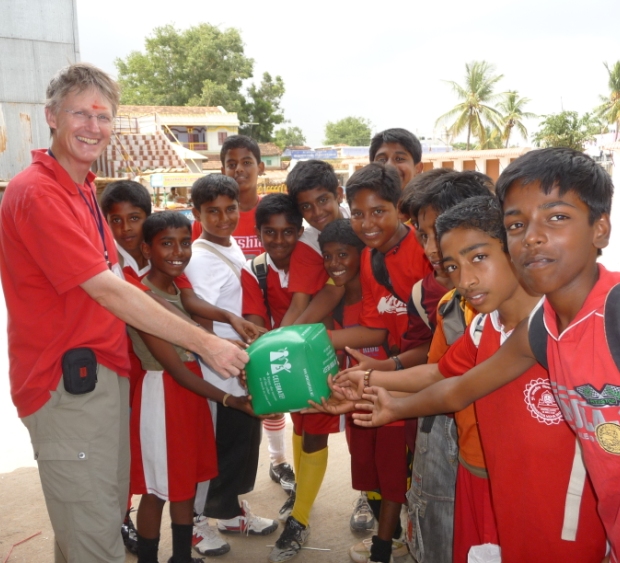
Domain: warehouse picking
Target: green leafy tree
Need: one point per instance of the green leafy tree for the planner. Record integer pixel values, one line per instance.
(609, 110)
(567, 129)
(511, 107)
(492, 140)
(200, 65)
(474, 112)
(261, 111)
(289, 137)
(353, 131)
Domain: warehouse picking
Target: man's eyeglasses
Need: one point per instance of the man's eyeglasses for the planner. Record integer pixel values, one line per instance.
(84, 117)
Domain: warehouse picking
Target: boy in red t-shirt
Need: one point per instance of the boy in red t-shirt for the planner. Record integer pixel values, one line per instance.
(390, 266)
(241, 160)
(279, 226)
(539, 489)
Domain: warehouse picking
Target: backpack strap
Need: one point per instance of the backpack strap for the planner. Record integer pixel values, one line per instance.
(416, 300)
(453, 318)
(221, 256)
(260, 269)
(612, 323)
(537, 335)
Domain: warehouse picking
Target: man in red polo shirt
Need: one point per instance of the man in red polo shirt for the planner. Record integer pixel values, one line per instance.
(58, 263)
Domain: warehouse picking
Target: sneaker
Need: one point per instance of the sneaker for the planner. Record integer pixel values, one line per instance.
(287, 507)
(130, 536)
(192, 560)
(247, 523)
(362, 518)
(290, 541)
(206, 540)
(360, 553)
(283, 474)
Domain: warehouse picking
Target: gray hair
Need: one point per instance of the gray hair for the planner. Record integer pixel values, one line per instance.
(77, 78)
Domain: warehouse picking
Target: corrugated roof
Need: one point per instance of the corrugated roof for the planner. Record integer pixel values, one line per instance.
(269, 149)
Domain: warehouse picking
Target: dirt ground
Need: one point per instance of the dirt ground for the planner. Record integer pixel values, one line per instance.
(24, 514)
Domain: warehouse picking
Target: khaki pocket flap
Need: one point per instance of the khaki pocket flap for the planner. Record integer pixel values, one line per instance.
(65, 450)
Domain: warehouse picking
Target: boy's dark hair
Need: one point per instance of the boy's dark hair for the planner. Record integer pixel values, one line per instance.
(340, 231)
(209, 187)
(566, 169)
(311, 174)
(276, 204)
(240, 142)
(158, 222)
(128, 191)
(448, 190)
(482, 213)
(418, 182)
(397, 135)
(382, 179)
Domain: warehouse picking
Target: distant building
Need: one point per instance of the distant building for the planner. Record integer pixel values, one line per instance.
(37, 39)
(271, 155)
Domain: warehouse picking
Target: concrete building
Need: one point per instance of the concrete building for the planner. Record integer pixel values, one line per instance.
(37, 38)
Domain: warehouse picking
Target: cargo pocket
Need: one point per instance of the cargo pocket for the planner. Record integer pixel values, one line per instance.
(413, 535)
(65, 470)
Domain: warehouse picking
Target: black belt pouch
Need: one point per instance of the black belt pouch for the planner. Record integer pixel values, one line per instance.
(79, 370)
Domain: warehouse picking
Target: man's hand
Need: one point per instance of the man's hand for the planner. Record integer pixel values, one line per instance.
(382, 407)
(222, 356)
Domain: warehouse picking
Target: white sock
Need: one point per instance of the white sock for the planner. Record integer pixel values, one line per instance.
(275, 430)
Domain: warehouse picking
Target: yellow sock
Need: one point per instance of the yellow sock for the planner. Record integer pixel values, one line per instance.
(309, 478)
(297, 447)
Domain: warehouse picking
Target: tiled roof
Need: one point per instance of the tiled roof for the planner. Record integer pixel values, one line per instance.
(136, 111)
(269, 149)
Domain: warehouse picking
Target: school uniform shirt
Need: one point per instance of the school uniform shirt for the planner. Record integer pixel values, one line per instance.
(171, 429)
(278, 296)
(218, 283)
(586, 383)
(307, 272)
(406, 264)
(539, 486)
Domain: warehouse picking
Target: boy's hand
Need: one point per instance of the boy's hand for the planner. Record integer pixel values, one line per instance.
(247, 330)
(225, 358)
(243, 404)
(335, 405)
(349, 383)
(366, 362)
(381, 406)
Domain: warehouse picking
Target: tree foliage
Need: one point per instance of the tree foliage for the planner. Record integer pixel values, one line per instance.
(511, 109)
(186, 67)
(261, 111)
(567, 129)
(354, 131)
(474, 113)
(609, 110)
(289, 137)
(201, 66)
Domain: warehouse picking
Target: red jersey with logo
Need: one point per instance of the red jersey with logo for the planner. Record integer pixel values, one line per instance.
(586, 383)
(245, 233)
(307, 273)
(539, 487)
(278, 295)
(406, 264)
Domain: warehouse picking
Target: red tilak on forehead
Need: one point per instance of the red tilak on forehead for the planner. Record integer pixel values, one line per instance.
(95, 106)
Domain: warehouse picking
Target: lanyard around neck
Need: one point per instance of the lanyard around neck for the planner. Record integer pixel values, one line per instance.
(95, 213)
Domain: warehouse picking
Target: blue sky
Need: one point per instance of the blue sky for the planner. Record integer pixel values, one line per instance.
(387, 63)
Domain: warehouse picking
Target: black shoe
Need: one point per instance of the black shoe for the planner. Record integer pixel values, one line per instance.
(287, 507)
(290, 541)
(192, 560)
(130, 536)
(283, 473)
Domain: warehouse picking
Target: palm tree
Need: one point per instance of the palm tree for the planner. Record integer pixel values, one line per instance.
(474, 112)
(511, 108)
(609, 110)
